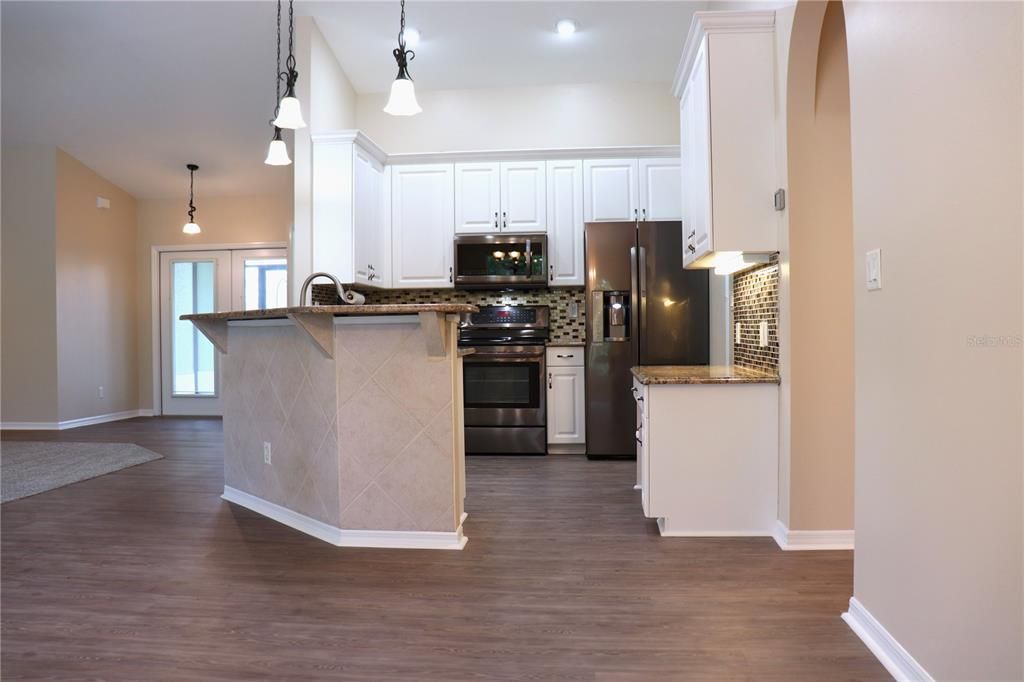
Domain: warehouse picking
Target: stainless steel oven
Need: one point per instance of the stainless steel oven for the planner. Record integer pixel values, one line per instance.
(501, 261)
(503, 380)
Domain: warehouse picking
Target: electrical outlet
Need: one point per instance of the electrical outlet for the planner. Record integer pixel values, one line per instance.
(762, 334)
(574, 310)
(738, 334)
(99, 391)
(266, 452)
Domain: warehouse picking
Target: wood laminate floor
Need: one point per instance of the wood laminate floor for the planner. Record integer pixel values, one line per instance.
(146, 574)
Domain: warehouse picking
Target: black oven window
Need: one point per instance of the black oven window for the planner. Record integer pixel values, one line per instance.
(501, 384)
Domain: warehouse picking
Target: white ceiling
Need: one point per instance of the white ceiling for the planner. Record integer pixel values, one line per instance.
(135, 90)
(497, 44)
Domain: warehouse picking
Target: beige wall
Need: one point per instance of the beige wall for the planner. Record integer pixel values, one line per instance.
(28, 290)
(332, 106)
(936, 116)
(597, 115)
(224, 220)
(95, 294)
(820, 258)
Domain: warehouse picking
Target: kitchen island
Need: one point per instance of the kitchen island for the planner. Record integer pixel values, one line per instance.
(345, 422)
(707, 448)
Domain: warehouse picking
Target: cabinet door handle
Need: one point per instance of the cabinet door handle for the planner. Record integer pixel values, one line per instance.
(451, 276)
(565, 357)
(693, 233)
(549, 380)
(495, 220)
(644, 214)
(504, 220)
(551, 269)
(634, 214)
(691, 248)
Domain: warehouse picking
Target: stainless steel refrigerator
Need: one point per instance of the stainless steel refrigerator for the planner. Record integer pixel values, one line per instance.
(643, 308)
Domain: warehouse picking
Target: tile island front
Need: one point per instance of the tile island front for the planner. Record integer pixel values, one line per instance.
(345, 422)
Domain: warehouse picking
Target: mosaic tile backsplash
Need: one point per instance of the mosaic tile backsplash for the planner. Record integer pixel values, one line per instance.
(755, 297)
(563, 328)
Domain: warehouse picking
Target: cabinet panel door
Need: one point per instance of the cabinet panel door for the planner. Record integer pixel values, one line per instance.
(610, 190)
(660, 189)
(477, 202)
(695, 147)
(422, 225)
(566, 422)
(523, 205)
(565, 223)
(372, 233)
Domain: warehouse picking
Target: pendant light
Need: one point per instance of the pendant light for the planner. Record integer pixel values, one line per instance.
(191, 227)
(277, 154)
(289, 113)
(402, 101)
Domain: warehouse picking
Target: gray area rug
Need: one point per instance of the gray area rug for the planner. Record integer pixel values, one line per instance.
(32, 467)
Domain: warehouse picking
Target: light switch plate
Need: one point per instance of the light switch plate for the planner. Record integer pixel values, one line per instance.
(762, 334)
(873, 269)
(738, 334)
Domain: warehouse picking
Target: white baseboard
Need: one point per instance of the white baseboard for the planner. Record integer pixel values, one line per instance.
(75, 423)
(665, 531)
(340, 537)
(799, 540)
(889, 652)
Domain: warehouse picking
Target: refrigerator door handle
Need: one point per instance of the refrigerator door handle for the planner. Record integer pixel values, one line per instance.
(635, 265)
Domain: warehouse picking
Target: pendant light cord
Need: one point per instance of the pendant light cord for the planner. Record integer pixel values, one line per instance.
(289, 74)
(191, 205)
(402, 55)
(277, 72)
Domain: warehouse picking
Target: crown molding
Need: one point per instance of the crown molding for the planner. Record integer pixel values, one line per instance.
(706, 23)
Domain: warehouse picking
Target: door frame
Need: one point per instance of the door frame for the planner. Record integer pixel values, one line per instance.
(154, 301)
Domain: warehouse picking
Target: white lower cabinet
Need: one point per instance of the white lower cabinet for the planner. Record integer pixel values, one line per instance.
(708, 457)
(566, 399)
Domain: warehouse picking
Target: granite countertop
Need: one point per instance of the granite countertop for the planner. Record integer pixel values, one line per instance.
(702, 374)
(556, 342)
(389, 309)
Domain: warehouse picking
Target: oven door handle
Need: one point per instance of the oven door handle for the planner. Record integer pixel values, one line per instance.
(503, 357)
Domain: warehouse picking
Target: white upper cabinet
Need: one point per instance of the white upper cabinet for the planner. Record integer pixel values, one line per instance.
(422, 225)
(610, 190)
(660, 189)
(523, 190)
(500, 197)
(726, 86)
(350, 235)
(372, 243)
(565, 223)
(477, 198)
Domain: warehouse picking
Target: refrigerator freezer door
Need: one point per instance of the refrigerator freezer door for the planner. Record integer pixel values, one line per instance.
(673, 313)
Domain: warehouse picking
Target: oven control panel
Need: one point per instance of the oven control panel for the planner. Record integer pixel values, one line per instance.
(504, 315)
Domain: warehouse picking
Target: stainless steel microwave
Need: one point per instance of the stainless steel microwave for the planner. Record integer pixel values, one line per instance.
(501, 261)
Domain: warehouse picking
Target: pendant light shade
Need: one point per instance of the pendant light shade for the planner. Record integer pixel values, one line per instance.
(191, 227)
(277, 154)
(402, 101)
(290, 113)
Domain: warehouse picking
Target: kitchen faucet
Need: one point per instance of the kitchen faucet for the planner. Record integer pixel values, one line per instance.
(350, 297)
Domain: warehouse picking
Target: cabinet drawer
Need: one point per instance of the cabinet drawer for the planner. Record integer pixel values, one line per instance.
(565, 356)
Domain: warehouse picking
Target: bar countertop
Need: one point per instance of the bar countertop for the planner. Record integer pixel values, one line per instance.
(702, 374)
(389, 309)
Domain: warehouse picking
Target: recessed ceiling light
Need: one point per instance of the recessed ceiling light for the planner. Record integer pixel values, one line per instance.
(566, 27)
(412, 36)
